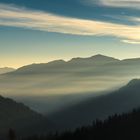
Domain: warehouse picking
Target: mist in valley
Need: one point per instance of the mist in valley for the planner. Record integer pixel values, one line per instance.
(50, 87)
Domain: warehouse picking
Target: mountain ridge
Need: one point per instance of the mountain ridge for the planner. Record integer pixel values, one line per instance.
(58, 65)
(119, 101)
(21, 118)
(61, 61)
(50, 80)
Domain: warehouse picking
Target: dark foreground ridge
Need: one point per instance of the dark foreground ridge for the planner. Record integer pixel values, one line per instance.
(20, 118)
(117, 127)
(83, 113)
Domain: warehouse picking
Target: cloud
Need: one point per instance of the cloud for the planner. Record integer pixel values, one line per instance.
(120, 3)
(131, 42)
(37, 20)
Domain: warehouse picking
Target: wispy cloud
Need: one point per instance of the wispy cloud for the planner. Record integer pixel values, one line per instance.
(21, 17)
(121, 3)
(131, 41)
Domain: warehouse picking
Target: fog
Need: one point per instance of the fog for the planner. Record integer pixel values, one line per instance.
(47, 88)
(47, 94)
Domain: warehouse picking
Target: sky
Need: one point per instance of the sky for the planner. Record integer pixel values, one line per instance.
(39, 31)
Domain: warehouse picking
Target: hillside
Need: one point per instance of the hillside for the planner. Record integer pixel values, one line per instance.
(20, 118)
(116, 127)
(122, 100)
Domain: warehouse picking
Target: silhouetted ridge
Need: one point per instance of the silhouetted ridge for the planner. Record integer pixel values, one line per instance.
(98, 57)
(134, 82)
(62, 66)
(116, 127)
(40, 68)
(20, 118)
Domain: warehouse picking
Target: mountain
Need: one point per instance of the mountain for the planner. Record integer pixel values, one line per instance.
(6, 70)
(122, 100)
(21, 118)
(116, 127)
(49, 83)
(45, 68)
(95, 59)
(61, 66)
(58, 84)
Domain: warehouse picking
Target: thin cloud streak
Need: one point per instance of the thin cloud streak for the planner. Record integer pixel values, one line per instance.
(131, 42)
(37, 20)
(135, 4)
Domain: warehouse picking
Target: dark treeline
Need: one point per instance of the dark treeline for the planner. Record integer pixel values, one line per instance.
(116, 127)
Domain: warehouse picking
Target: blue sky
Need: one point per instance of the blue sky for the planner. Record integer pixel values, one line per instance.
(38, 31)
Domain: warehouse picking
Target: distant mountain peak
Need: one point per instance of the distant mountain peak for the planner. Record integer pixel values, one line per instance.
(60, 61)
(100, 56)
(94, 59)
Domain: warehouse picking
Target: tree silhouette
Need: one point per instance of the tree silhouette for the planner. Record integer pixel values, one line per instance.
(116, 127)
(11, 134)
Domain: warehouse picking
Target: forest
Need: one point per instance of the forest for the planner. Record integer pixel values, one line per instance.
(117, 127)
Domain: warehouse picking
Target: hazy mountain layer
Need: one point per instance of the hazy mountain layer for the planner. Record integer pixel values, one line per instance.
(49, 87)
(122, 100)
(6, 70)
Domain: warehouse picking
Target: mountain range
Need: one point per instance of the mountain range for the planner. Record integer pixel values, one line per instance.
(68, 94)
(27, 122)
(58, 84)
(61, 66)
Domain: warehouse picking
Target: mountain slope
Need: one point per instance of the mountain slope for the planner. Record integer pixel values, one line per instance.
(20, 118)
(43, 68)
(122, 100)
(116, 127)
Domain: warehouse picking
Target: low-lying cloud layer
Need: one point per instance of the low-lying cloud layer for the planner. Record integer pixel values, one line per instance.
(21, 17)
